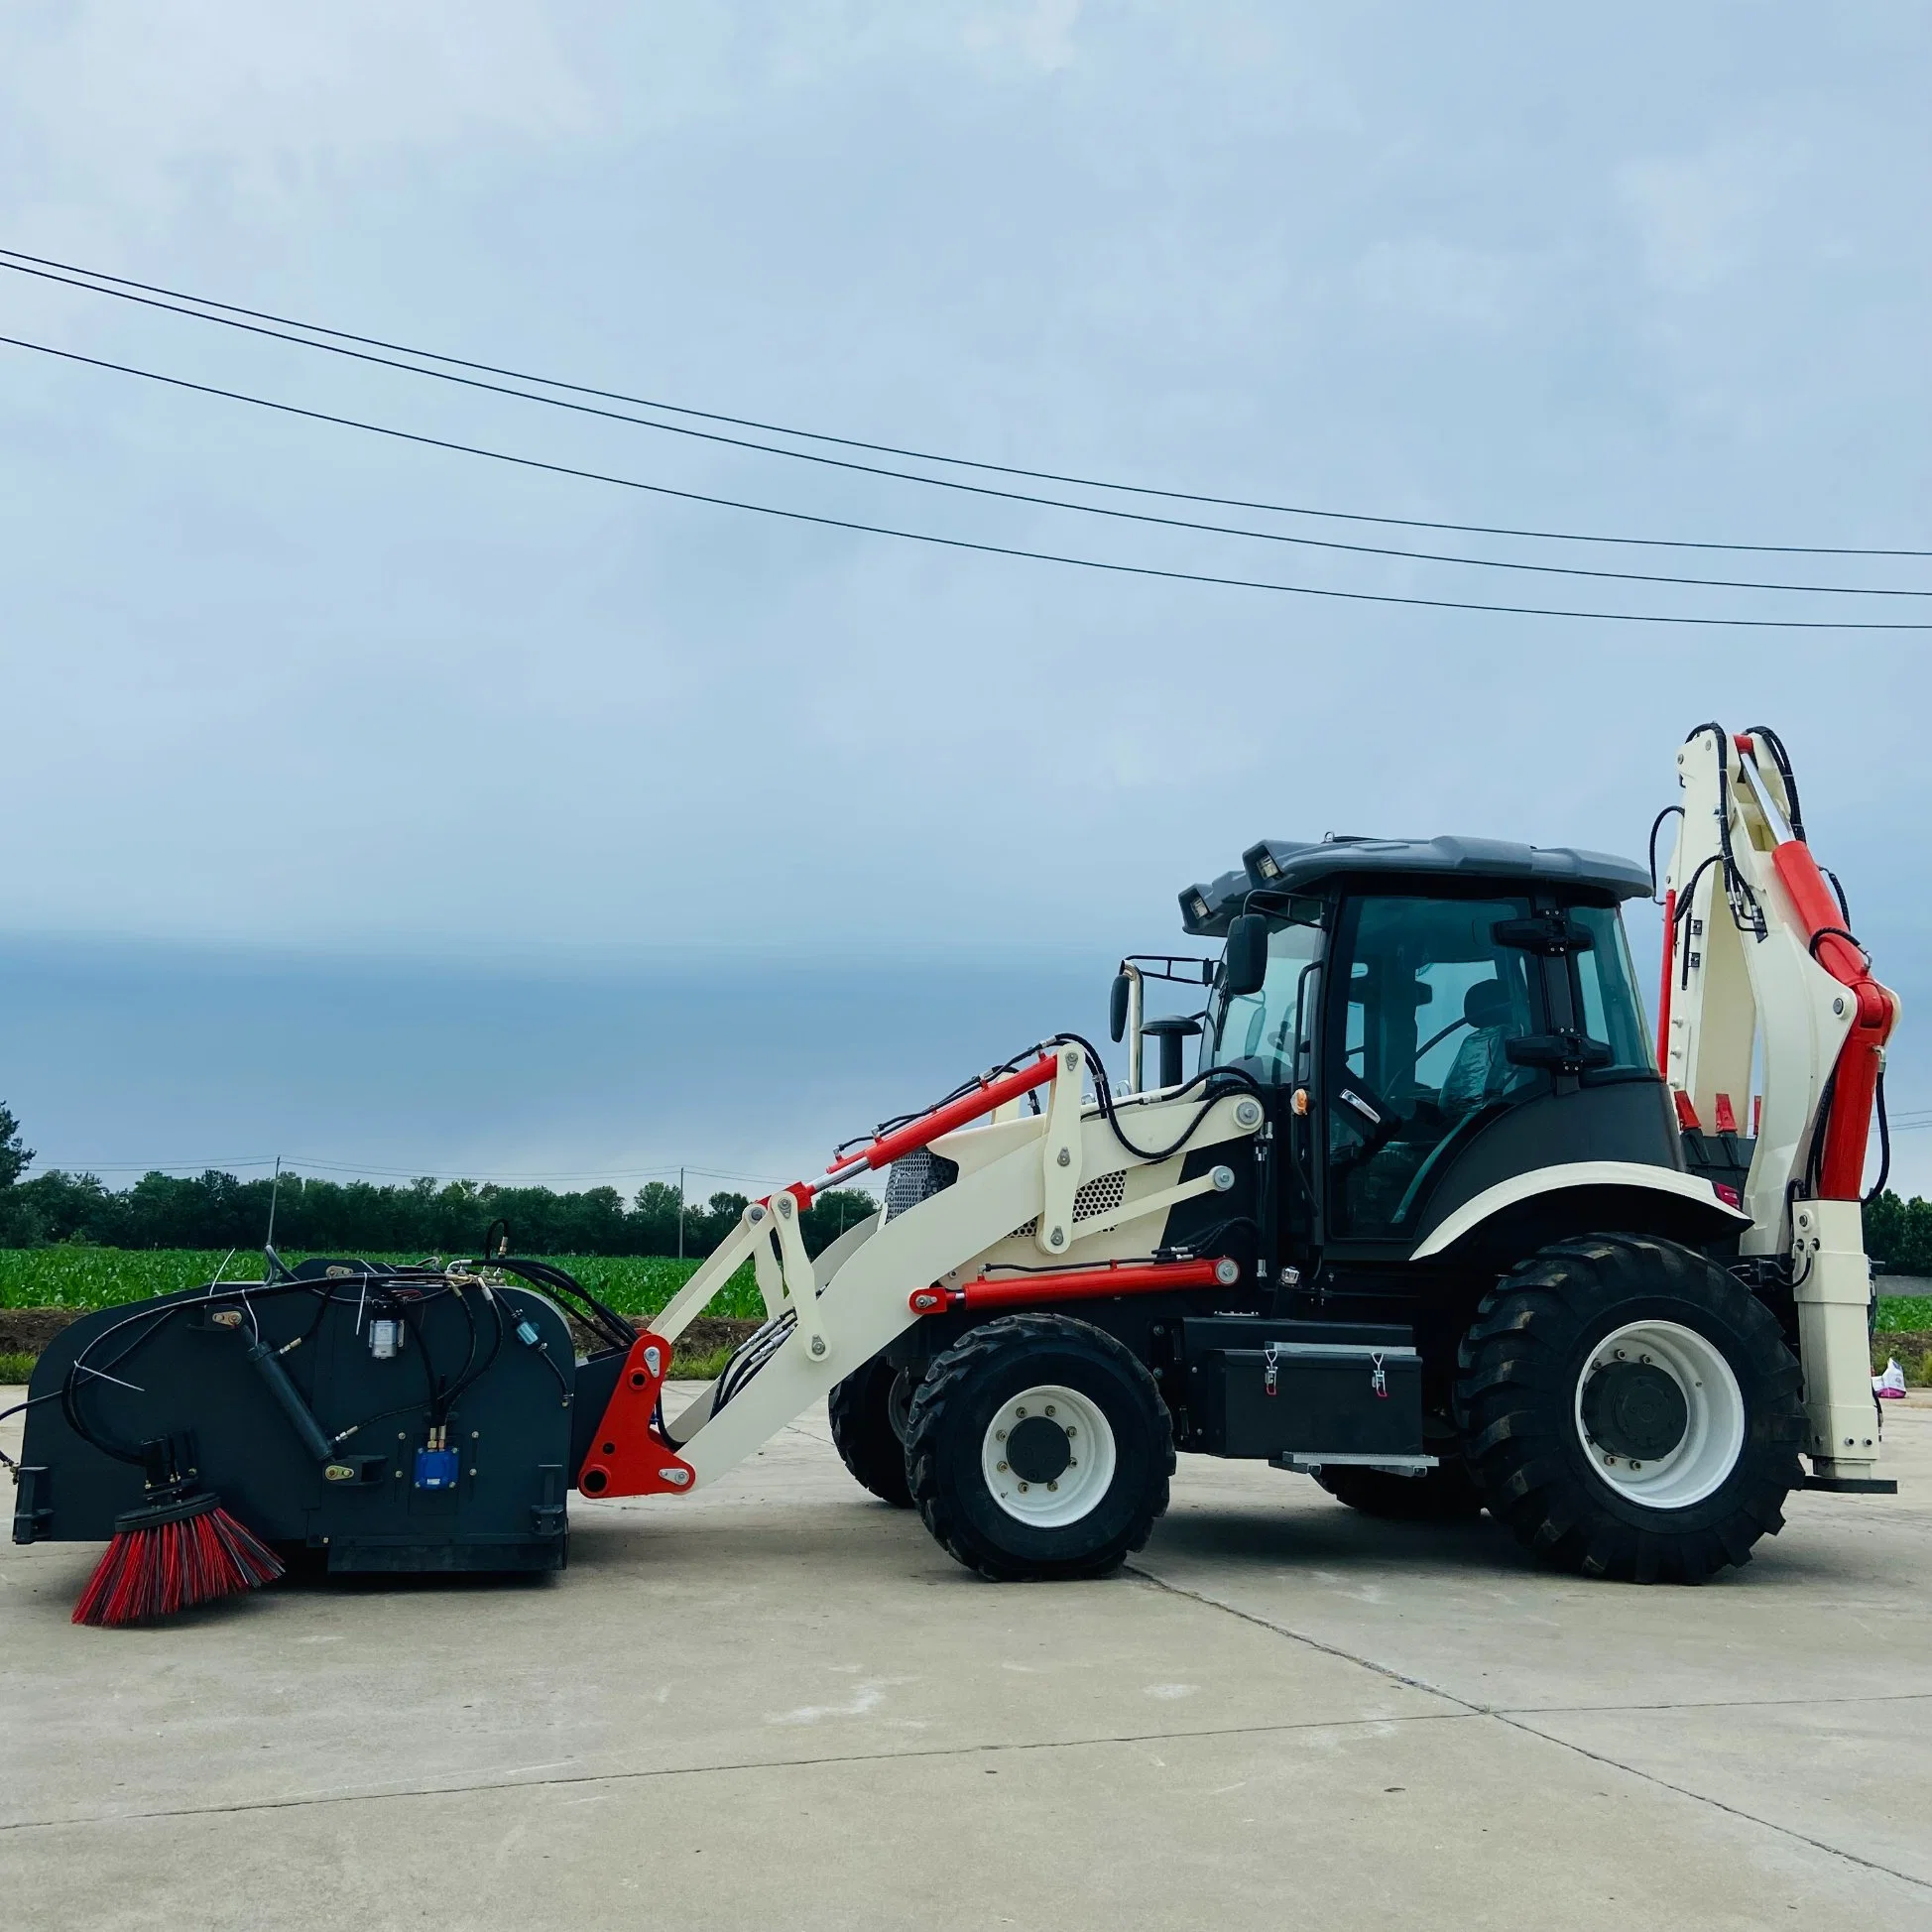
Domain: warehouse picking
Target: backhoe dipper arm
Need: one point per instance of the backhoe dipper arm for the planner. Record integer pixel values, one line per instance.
(1757, 960)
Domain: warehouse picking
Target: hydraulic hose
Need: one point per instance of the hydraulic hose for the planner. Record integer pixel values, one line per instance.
(268, 1365)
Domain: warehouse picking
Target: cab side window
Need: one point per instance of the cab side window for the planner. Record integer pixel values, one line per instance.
(1257, 1032)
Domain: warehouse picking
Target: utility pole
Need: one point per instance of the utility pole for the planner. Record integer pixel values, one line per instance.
(274, 1194)
(680, 1214)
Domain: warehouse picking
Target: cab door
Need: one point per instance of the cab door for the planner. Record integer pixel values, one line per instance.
(1425, 994)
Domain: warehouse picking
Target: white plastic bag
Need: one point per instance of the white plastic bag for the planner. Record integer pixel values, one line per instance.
(1891, 1387)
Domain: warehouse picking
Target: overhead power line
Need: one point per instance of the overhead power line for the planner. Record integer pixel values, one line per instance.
(14, 258)
(1143, 571)
(414, 368)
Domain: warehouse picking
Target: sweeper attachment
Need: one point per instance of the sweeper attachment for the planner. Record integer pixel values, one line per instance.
(349, 1414)
(1431, 1222)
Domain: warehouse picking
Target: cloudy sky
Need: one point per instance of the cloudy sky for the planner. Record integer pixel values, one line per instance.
(392, 806)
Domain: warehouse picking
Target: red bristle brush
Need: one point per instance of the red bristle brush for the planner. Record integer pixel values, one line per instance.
(179, 1549)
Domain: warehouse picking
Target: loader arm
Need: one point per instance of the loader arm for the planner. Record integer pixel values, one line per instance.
(1017, 1203)
(1758, 967)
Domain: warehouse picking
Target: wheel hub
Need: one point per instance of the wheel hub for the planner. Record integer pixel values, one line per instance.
(1037, 1450)
(1635, 1410)
(1048, 1456)
(1659, 1413)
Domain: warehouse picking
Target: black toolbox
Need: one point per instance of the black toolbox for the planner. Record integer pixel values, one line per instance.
(1276, 1388)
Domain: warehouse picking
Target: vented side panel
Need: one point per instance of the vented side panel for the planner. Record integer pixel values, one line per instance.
(1101, 1195)
(915, 1177)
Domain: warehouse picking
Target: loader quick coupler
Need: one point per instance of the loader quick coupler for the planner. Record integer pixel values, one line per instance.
(630, 1455)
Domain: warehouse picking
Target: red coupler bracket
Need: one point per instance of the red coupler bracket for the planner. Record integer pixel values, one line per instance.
(628, 1457)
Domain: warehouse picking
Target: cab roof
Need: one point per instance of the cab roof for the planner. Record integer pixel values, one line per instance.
(1291, 865)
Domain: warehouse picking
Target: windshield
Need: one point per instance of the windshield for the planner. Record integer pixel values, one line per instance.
(1256, 1030)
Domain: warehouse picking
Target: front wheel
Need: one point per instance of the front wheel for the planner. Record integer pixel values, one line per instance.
(866, 1413)
(1038, 1446)
(1631, 1410)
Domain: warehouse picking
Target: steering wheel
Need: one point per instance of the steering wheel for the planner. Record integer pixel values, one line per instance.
(1435, 1040)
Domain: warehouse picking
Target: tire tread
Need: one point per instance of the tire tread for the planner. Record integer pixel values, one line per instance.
(1513, 1398)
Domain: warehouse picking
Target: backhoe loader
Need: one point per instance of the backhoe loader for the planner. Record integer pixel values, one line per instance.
(1432, 1221)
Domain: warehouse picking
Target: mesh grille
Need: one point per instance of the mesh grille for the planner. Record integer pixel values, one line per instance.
(915, 1177)
(1101, 1195)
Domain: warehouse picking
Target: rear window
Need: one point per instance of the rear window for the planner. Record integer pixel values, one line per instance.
(1608, 1008)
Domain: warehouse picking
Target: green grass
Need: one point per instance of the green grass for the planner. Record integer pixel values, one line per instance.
(1908, 1311)
(71, 1276)
(16, 1367)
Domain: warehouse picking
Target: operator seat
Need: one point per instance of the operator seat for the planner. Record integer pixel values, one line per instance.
(1480, 1071)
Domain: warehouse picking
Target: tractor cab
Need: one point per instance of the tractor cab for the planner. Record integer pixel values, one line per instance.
(1438, 1017)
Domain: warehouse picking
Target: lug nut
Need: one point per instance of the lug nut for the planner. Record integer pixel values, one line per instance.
(1050, 1486)
(1049, 1408)
(1019, 1411)
(1002, 1465)
(999, 1435)
(1023, 1489)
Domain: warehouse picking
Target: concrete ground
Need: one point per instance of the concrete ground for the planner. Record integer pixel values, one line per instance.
(778, 1704)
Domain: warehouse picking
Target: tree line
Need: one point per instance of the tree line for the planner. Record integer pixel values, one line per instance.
(429, 1217)
(421, 1217)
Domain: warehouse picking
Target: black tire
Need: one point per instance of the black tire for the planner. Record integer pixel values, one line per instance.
(1445, 1493)
(1522, 1393)
(860, 1409)
(957, 1407)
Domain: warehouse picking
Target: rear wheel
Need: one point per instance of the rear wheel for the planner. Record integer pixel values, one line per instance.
(1631, 1410)
(1038, 1446)
(1445, 1493)
(861, 1410)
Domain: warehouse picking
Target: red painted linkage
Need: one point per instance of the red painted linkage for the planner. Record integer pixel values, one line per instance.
(628, 1457)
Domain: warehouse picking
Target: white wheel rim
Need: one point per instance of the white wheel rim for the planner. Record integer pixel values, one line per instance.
(1714, 1427)
(1077, 1489)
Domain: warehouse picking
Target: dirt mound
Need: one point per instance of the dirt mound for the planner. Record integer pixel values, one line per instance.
(26, 1331)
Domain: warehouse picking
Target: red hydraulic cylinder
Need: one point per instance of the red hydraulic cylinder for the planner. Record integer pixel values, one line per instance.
(1073, 1285)
(917, 1133)
(1664, 991)
(1841, 1172)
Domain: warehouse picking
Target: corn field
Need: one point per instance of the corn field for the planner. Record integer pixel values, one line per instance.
(67, 1275)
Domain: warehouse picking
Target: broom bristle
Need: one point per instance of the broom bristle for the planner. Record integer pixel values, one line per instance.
(154, 1569)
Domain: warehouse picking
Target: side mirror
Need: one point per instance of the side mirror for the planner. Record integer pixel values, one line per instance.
(1244, 965)
(1560, 1052)
(1117, 1009)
